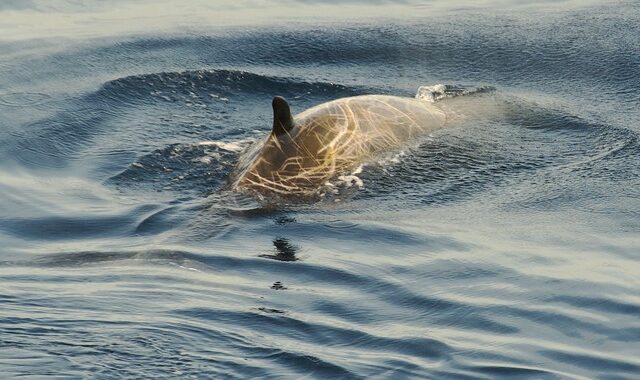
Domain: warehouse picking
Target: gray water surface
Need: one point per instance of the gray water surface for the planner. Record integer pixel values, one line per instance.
(504, 246)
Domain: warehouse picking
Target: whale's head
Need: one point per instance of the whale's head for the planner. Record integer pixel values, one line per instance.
(288, 160)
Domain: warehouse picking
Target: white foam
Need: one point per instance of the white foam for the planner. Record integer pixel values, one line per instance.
(351, 180)
(235, 146)
(431, 93)
(207, 159)
(395, 158)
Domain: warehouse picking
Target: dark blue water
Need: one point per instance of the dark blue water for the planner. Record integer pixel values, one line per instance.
(505, 246)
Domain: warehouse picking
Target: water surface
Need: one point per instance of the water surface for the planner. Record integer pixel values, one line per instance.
(505, 246)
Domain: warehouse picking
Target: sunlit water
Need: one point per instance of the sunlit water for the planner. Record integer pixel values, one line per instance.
(505, 246)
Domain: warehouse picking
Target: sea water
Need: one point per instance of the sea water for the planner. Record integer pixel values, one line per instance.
(504, 246)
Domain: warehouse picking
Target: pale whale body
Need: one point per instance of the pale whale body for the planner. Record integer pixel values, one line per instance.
(304, 151)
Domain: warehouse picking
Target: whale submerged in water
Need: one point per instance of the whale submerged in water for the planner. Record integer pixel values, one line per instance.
(305, 151)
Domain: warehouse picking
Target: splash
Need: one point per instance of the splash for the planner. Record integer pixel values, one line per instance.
(438, 92)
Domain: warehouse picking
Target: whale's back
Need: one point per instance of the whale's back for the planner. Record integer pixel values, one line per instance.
(355, 128)
(377, 121)
(335, 137)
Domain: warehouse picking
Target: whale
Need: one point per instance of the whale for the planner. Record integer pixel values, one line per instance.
(306, 151)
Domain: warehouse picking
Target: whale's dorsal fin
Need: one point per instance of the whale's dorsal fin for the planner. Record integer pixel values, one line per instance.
(282, 119)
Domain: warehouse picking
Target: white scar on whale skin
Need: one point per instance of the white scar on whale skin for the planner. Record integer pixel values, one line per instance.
(332, 139)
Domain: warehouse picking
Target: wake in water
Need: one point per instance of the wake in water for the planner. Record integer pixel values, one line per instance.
(475, 150)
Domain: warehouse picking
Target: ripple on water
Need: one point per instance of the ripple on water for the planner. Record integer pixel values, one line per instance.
(23, 99)
(501, 247)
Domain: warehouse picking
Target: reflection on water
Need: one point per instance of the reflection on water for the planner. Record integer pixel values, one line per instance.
(284, 251)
